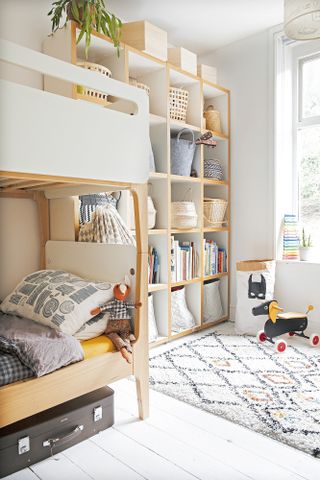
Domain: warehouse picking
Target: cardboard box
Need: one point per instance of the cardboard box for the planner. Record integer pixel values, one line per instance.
(183, 58)
(206, 72)
(146, 37)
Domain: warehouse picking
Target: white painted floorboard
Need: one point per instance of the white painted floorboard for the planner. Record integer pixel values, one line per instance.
(177, 442)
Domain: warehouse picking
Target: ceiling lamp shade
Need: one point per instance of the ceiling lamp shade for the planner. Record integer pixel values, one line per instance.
(302, 19)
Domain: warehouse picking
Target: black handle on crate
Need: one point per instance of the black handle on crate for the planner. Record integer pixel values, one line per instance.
(52, 442)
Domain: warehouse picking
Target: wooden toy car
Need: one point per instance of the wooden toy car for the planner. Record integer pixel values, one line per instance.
(292, 323)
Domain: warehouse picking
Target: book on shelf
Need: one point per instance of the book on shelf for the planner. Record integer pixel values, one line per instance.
(215, 258)
(153, 266)
(184, 260)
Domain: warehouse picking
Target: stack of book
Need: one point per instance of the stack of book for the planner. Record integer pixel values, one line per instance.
(153, 266)
(215, 258)
(184, 260)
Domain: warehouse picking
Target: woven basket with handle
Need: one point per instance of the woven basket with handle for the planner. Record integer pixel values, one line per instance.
(141, 85)
(212, 117)
(178, 103)
(214, 210)
(90, 92)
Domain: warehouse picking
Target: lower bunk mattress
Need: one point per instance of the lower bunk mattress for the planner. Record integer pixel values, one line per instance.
(31, 350)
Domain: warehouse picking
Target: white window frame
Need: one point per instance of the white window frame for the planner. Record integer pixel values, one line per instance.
(288, 56)
(301, 54)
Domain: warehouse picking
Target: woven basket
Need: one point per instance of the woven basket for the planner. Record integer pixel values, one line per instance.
(137, 84)
(212, 117)
(90, 92)
(213, 169)
(183, 215)
(214, 210)
(178, 103)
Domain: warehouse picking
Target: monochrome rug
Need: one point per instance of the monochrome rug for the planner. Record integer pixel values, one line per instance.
(248, 383)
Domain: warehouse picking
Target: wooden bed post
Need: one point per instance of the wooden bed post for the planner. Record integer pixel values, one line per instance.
(141, 347)
(44, 224)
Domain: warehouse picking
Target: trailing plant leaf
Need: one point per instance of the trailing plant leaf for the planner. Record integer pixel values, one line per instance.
(90, 15)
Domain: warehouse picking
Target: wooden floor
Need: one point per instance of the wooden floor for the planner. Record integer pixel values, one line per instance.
(177, 442)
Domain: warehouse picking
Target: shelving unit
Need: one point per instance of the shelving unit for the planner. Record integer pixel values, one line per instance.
(164, 187)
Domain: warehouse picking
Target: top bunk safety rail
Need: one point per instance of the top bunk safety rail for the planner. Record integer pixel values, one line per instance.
(48, 134)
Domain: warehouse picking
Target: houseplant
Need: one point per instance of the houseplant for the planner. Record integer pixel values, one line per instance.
(90, 15)
(306, 246)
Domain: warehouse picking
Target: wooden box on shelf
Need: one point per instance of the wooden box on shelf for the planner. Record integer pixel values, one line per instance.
(183, 58)
(206, 72)
(146, 37)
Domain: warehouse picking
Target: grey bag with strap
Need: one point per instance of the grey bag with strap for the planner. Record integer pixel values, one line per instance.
(182, 153)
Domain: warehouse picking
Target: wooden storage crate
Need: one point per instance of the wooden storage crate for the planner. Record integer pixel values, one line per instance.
(206, 72)
(183, 58)
(146, 37)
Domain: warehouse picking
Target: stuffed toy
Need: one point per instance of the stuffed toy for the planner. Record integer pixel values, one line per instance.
(119, 328)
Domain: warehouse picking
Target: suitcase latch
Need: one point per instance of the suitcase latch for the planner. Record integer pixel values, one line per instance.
(97, 414)
(23, 445)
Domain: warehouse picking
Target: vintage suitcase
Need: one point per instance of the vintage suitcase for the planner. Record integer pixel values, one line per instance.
(35, 438)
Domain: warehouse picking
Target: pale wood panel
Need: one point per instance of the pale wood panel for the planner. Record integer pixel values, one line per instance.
(23, 399)
(59, 467)
(177, 451)
(143, 460)
(251, 454)
(99, 463)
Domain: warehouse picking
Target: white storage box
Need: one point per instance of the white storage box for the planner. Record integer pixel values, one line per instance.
(206, 72)
(183, 58)
(146, 37)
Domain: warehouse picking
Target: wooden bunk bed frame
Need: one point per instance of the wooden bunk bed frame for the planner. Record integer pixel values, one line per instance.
(39, 180)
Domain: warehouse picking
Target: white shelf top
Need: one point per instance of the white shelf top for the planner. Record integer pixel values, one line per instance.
(180, 79)
(140, 65)
(99, 49)
(210, 91)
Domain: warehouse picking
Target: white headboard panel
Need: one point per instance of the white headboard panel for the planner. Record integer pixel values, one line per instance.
(94, 261)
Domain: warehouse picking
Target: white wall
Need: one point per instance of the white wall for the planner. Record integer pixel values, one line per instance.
(243, 67)
(246, 67)
(24, 22)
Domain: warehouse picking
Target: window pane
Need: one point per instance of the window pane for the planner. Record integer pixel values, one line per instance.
(309, 181)
(311, 88)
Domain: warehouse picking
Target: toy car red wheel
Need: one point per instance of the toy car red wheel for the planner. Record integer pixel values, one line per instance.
(291, 334)
(314, 340)
(280, 346)
(261, 336)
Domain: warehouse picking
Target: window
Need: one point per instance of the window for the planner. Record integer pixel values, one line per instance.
(297, 136)
(308, 145)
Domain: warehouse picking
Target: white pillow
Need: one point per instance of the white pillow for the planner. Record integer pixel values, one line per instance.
(94, 327)
(182, 318)
(212, 302)
(57, 299)
(153, 329)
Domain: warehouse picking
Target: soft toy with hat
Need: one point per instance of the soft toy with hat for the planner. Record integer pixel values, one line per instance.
(119, 324)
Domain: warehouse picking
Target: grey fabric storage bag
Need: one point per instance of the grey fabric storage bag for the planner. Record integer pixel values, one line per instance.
(182, 153)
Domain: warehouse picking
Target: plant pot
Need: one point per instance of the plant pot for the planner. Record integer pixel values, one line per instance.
(306, 254)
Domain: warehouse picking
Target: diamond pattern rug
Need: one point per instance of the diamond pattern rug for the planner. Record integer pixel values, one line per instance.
(247, 383)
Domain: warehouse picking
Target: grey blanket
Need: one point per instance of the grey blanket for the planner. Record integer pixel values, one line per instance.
(38, 347)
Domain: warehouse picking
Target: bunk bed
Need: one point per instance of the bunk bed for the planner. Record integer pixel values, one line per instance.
(35, 167)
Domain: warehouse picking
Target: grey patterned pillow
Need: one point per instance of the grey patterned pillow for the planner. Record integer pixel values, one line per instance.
(57, 299)
(94, 327)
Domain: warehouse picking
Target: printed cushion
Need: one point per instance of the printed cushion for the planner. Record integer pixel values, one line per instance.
(57, 299)
(182, 318)
(94, 327)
